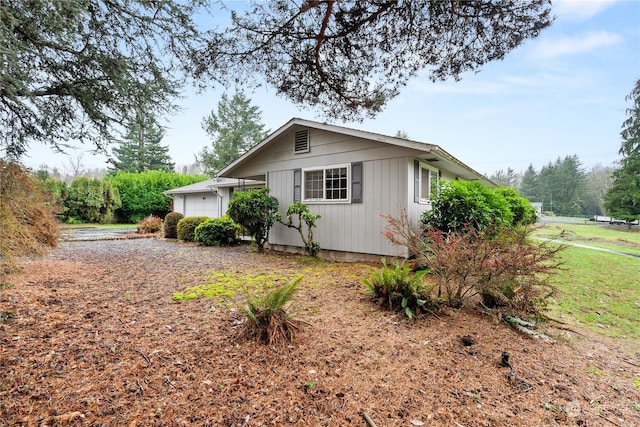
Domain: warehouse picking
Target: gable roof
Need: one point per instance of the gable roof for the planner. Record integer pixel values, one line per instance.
(431, 152)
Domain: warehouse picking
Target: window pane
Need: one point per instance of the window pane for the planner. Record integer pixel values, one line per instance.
(336, 183)
(313, 184)
(434, 182)
(424, 184)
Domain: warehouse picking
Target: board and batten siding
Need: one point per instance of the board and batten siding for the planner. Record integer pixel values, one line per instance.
(350, 227)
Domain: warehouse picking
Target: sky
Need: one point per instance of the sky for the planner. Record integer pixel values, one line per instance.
(560, 94)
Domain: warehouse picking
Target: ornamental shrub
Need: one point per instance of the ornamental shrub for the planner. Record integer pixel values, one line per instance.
(461, 205)
(523, 212)
(171, 224)
(256, 212)
(142, 194)
(149, 225)
(187, 226)
(217, 232)
(301, 210)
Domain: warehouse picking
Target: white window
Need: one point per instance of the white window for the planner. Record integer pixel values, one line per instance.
(326, 184)
(429, 180)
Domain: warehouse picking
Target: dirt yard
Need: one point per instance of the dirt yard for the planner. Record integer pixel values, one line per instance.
(89, 336)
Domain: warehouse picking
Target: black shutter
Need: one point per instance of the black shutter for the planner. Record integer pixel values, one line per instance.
(416, 181)
(356, 182)
(297, 185)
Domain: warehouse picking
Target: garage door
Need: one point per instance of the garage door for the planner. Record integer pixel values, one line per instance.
(201, 205)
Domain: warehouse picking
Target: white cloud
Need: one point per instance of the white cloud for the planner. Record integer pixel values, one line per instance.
(580, 10)
(573, 45)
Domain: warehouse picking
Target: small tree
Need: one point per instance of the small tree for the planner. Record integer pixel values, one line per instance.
(304, 216)
(256, 212)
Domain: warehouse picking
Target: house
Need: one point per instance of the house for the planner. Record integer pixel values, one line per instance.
(350, 177)
(208, 198)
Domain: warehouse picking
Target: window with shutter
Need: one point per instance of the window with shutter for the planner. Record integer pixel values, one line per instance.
(326, 184)
(301, 141)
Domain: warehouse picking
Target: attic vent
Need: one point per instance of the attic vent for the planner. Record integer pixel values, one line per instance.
(301, 141)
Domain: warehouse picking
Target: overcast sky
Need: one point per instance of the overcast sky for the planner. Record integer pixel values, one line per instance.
(560, 94)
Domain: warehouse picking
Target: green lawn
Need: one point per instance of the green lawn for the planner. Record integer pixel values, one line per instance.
(598, 290)
(618, 238)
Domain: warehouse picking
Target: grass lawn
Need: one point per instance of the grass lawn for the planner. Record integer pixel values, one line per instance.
(598, 290)
(617, 238)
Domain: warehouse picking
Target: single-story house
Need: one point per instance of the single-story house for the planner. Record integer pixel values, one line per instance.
(208, 198)
(350, 177)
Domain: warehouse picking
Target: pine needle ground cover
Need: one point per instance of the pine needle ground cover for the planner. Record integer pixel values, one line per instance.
(95, 338)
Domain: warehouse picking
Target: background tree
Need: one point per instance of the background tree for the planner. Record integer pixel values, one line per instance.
(623, 198)
(598, 179)
(631, 126)
(344, 57)
(530, 185)
(234, 129)
(562, 186)
(508, 178)
(140, 150)
(402, 134)
(72, 70)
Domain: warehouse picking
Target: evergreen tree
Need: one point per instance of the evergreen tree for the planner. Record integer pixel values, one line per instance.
(631, 126)
(140, 149)
(530, 185)
(234, 129)
(75, 70)
(623, 199)
(508, 178)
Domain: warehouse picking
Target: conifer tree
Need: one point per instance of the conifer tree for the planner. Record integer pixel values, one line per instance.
(140, 149)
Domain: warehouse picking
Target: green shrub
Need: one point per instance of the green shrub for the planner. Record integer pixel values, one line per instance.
(396, 288)
(270, 318)
(91, 200)
(255, 211)
(171, 224)
(217, 232)
(142, 194)
(523, 212)
(149, 225)
(187, 226)
(467, 204)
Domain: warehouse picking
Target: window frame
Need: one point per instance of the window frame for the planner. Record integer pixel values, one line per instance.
(324, 170)
(429, 169)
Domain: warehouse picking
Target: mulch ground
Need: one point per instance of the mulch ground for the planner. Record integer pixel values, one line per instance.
(90, 336)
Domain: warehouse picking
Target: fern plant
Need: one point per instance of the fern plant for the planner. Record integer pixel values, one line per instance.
(397, 288)
(270, 317)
